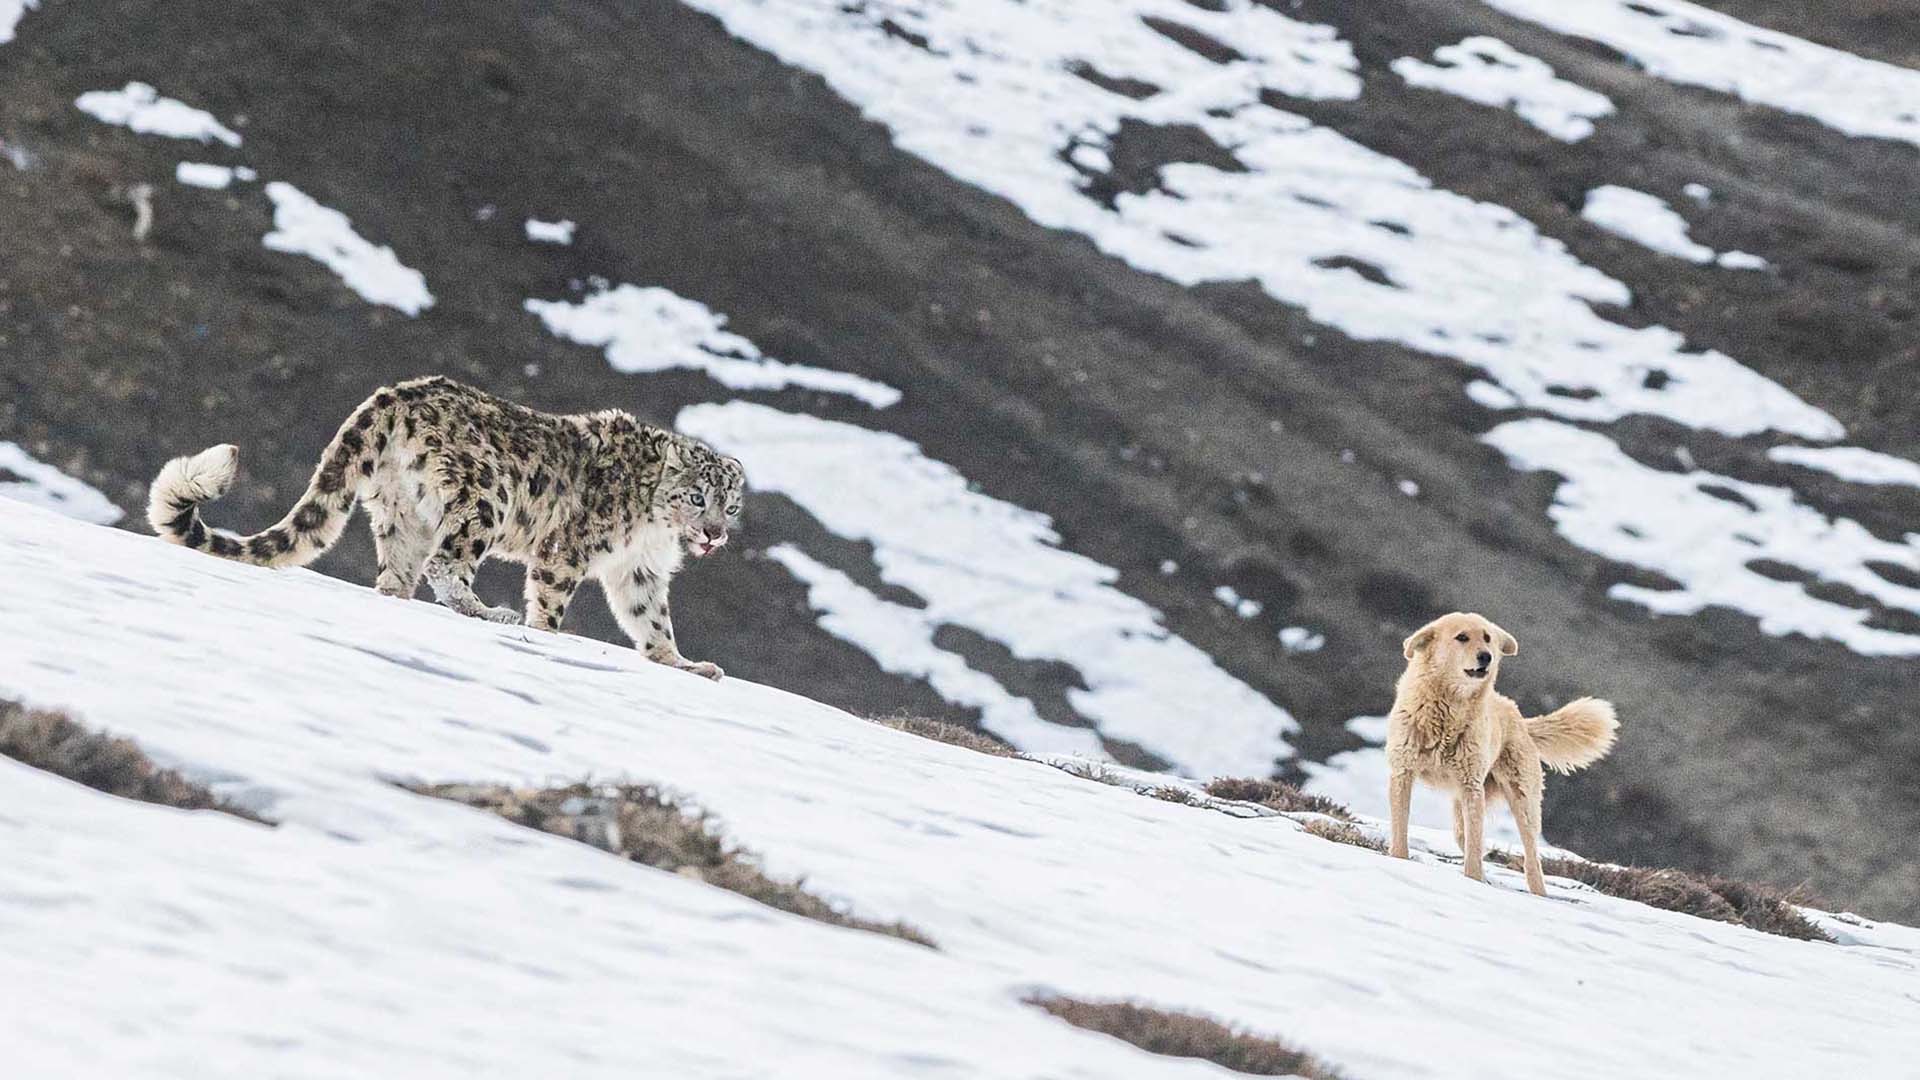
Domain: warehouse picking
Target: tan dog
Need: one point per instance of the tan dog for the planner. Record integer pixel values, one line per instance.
(1451, 730)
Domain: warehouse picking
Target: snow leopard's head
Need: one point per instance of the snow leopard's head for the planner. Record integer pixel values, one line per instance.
(705, 502)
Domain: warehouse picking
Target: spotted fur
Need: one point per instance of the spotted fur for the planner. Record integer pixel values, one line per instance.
(451, 475)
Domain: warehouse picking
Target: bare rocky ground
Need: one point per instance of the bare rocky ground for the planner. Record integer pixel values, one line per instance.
(1138, 414)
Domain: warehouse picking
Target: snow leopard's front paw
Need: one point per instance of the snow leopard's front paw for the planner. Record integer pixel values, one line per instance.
(702, 668)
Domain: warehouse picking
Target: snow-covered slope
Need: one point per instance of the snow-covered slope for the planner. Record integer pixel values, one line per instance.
(376, 932)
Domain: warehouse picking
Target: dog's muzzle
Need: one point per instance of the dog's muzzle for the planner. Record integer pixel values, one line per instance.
(1476, 673)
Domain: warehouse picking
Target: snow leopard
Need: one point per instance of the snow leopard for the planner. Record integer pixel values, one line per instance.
(451, 475)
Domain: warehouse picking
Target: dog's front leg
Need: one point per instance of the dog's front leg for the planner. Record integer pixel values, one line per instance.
(1473, 807)
(1400, 802)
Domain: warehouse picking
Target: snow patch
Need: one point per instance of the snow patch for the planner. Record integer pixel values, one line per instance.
(1299, 639)
(1647, 220)
(901, 641)
(25, 479)
(1696, 46)
(213, 177)
(302, 226)
(1491, 72)
(1853, 463)
(652, 329)
(11, 12)
(140, 108)
(994, 98)
(996, 570)
(1240, 605)
(1706, 532)
(550, 232)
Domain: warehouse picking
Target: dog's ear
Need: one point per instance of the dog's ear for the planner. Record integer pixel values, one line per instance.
(1508, 643)
(1421, 639)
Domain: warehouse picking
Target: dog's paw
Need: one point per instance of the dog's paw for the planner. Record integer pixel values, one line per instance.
(702, 668)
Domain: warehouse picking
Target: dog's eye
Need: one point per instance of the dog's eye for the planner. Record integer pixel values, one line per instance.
(696, 498)
(1486, 638)
(1461, 636)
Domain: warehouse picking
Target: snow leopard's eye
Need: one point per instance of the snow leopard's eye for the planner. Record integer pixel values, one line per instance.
(697, 497)
(733, 509)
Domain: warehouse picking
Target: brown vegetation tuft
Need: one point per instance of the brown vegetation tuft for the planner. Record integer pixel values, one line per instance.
(942, 731)
(1342, 832)
(1186, 1035)
(54, 742)
(641, 823)
(1705, 895)
(1277, 795)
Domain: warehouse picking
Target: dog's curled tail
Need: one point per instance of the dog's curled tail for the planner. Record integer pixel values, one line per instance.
(1575, 735)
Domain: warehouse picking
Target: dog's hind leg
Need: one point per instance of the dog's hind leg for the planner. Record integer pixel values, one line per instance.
(1523, 795)
(1473, 806)
(1400, 804)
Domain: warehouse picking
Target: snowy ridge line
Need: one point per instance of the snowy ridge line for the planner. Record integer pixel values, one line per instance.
(302, 226)
(995, 569)
(336, 936)
(140, 108)
(1649, 221)
(1853, 464)
(26, 479)
(1697, 46)
(1706, 531)
(994, 100)
(1488, 71)
(653, 329)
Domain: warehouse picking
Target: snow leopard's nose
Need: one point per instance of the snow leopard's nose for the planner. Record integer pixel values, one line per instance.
(715, 533)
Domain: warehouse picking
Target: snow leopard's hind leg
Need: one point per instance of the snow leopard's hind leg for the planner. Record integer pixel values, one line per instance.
(458, 545)
(402, 540)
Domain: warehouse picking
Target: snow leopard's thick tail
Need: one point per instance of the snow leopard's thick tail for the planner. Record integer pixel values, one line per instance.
(311, 527)
(1575, 735)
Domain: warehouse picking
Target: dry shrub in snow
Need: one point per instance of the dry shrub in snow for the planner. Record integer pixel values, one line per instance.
(641, 823)
(1708, 896)
(55, 743)
(1277, 795)
(1186, 1035)
(942, 731)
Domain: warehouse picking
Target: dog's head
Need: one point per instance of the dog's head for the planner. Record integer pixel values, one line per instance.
(1461, 650)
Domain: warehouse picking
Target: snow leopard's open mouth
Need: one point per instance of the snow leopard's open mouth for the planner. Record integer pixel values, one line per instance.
(1476, 673)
